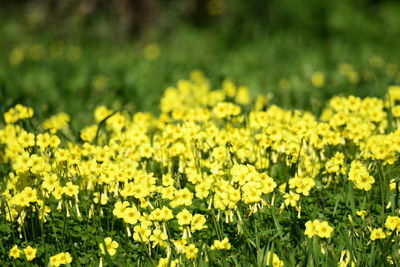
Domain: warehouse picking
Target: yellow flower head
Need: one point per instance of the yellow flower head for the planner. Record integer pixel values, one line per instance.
(324, 230)
(221, 245)
(377, 233)
(30, 253)
(184, 217)
(274, 261)
(111, 246)
(191, 251)
(318, 79)
(15, 252)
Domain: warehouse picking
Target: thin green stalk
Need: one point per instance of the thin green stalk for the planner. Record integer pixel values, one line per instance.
(64, 228)
(277, 225)
(396, 195)
(216, 225)
(33, 226)
(9, 213)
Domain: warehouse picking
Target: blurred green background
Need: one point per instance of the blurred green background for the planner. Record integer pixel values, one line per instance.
(73, 55)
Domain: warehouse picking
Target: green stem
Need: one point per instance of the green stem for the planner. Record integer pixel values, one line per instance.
(9, 213)
(64, 227)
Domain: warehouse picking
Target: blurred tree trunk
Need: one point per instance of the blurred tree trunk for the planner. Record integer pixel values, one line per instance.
(135, 16)
(129, 16)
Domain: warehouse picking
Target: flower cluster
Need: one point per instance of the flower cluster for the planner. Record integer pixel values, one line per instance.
(29, 252)
(317, 227)
(60, 259)
(17, 113)
(196, 178)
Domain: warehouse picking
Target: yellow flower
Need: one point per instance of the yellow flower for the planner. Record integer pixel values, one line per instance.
(50, 182)
(29, 194)
(377, 233)
(268, 184)
(392, 222)
(17, 113)
(56, 122)
(359, 175)
(221, 245)
(156, 214)
(58, 192)
(392, 185)
(184, 217)
(54, 261)
(15, 252)
(364, 182)
(226, 109)
(324, 230)
(167, 192)
(70, 189)
(101, 112)
(102, 198)
(243, 95)
(30, 253)
(60, 258)
(291, 199)
(43, 140)
(166, 214)
(180, 245)
(131, 215)
(198, 222)
(111, 246)
(158, 237)
(167, 262)
(191, 251)
(26, 139)
(89, 133)
(142, 233)
(316, 227)
(311, 228)
(318, 79)
(167, 180)
(345, 259)
(361, 213)
(182, 197)
(274, 261)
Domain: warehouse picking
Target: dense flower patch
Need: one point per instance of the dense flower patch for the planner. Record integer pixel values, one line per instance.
(215, 179)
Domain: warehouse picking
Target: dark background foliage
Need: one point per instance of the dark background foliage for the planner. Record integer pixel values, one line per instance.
(73, 55)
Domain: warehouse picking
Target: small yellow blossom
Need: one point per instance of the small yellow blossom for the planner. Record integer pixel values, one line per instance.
(377, 233)
(111, 246)
(15, 252)
(30, 253)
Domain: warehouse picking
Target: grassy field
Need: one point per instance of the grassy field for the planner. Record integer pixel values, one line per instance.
(230, 145)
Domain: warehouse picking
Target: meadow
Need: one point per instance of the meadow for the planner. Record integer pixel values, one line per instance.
(202, 147)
